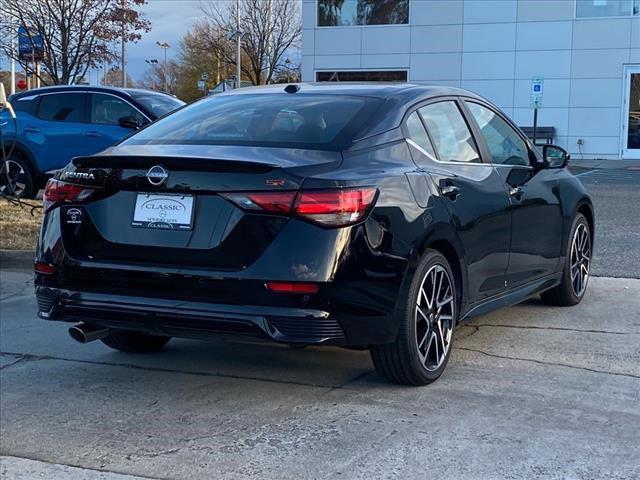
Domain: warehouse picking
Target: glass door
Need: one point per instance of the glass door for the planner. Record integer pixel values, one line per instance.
(631, 113)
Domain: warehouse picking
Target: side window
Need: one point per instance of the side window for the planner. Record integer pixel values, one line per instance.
(107, 110)
(62, 107)
(25, 106)
(450, 132)
(418, 134)
(505, 145)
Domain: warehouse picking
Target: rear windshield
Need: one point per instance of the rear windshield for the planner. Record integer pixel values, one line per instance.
(158, 104)
(294, 120)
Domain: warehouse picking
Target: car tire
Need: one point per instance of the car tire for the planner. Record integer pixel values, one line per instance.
(421, 350)
(575, 272)
(17, 179)
(135, 342)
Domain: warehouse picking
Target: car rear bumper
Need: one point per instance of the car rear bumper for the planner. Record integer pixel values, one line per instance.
(359, 287)
(189, 319)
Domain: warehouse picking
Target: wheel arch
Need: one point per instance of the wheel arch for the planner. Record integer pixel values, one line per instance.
(585, 207)
(22, 151)
(443, 238)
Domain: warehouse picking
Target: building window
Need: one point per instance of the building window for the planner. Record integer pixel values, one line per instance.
(363, 76)
(333, 13)
(607, 8)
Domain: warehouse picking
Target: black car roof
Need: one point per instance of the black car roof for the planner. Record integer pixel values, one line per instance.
(369, 89)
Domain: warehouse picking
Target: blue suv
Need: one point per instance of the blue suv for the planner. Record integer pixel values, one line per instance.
(55, 124)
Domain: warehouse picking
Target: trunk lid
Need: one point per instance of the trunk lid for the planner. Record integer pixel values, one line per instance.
(219, 235)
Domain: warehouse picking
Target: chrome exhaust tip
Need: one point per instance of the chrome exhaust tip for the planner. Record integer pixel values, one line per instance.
(83, 333)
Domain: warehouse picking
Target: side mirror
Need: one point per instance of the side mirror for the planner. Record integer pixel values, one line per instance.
(555, 156)
(128, 122)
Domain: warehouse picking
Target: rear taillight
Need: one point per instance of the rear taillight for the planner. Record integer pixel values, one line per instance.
(329, 208)
(57, 192)
(335, 207)
(272, 202)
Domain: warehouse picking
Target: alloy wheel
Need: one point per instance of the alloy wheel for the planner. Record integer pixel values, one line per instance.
(434, 317)
(580, 259)
(12, 181)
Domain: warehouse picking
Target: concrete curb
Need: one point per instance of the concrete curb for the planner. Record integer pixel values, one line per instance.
(605, 164)
(16, 259)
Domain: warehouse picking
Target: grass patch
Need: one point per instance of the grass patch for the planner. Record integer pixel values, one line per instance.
(18, 228)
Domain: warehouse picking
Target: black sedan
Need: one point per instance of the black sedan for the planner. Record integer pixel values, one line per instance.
(368, 216)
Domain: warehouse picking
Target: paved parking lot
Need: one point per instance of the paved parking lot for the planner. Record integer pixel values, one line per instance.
(616, 196)
(530, 392)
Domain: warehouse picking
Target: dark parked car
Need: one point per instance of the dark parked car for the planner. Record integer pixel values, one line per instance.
(55, 124)
(371, 216)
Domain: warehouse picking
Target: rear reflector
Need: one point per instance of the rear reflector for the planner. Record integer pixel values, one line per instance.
(291, 287)
(329, 208)
(44, 268)
(56, 192)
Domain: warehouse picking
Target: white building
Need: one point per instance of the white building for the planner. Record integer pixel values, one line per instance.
(587, 51)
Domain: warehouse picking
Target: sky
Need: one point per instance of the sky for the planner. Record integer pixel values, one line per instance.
(170, 20)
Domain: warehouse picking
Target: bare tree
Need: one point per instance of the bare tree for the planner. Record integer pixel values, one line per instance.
(154, 77)
(270, 29)
(114, 78)
(77, 34)
(291, 72)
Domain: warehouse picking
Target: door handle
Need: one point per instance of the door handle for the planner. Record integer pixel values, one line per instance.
(30, 129)
(450, 191)
(515, 192)
(92, 133)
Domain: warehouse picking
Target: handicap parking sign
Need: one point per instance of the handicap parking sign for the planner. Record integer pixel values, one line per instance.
(537, 84)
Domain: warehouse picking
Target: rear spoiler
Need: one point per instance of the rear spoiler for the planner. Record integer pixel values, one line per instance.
(173, 163)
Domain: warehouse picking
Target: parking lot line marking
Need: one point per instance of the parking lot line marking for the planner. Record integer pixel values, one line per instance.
(585, 173)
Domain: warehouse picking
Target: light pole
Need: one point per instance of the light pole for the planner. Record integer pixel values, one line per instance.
(150, 62)
(238, 51)
(164, 46)
(287, 63)
(13, 61)
(123, 53)
(237, 36)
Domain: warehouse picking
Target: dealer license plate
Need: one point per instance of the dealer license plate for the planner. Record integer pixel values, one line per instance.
(168, 211)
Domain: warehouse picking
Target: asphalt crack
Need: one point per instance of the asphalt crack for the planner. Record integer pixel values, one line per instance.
(82, 467)
(552, 364)
(32, 357)
(18, 360)
(475, 330)
(354, 379)
(535, 327)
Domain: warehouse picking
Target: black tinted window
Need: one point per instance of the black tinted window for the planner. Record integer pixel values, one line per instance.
(418, 134)
(107, 110)
(62, 107)
(504, 143)
(26, 106)
(157, 103)
(297, 120)
(450, 132)
(362, 76)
